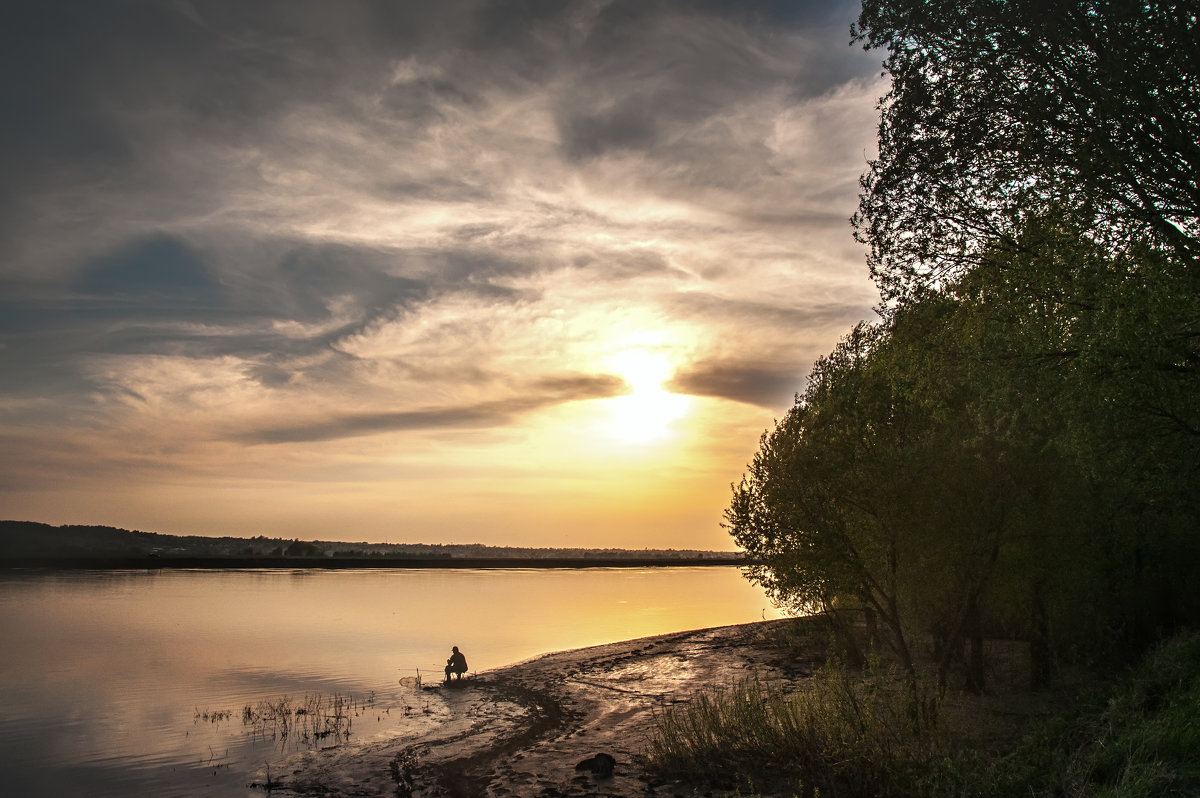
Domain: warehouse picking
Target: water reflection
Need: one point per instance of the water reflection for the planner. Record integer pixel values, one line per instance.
(105, 672)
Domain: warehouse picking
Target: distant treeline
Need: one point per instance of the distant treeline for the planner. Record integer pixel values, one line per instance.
(32, 543)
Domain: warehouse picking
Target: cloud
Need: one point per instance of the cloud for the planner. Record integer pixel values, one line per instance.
(225, 224)
(769, 388)
(158, 272)
(478, 415)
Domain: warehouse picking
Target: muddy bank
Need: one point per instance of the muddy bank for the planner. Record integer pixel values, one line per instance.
(523, 729)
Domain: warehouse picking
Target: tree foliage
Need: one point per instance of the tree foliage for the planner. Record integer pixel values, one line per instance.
(1000, 110)
(1012, 454)
(857, 497)
(1015, 447)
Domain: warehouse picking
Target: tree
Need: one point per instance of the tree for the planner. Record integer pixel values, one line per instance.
(802, 512)
(1103, 350)
(301, 548)
(1016, 444)
(1014, 451)
(1002, 109)
(1037, 163)
(874, 492)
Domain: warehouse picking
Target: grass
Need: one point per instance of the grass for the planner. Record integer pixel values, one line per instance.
(1136, 736)
(845, 733)
(314, 718)
(838, 734)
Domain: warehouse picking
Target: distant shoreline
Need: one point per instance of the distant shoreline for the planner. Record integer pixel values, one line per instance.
(32, 544)
(339, 563)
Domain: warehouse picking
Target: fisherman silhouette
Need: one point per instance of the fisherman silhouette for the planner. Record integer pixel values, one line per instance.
(457, 664)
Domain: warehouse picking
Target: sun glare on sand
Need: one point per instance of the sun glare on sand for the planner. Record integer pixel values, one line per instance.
(645, 414)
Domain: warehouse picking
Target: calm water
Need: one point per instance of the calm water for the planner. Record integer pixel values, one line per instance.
(103, 673)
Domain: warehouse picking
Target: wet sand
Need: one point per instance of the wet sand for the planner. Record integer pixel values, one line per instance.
(521, 730)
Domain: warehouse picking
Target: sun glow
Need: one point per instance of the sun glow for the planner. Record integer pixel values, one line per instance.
(645, 414)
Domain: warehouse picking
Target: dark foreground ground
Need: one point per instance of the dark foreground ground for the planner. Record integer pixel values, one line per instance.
(521, 730)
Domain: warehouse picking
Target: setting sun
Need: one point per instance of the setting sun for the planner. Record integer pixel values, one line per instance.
(644, 415)
(508, 284)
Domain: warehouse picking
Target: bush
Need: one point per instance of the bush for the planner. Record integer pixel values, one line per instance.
(1137, 737)
(845, 734)
(842, 734)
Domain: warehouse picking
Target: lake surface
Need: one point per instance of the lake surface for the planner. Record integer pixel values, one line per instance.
(116, 683)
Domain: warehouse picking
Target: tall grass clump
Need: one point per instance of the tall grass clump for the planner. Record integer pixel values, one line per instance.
(1136, 738)
(838, 734)
(1148, 739)
(315, 718)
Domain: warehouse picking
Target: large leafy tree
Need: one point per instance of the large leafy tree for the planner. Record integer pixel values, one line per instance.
(1002, 109)
(1038, 163)
(1017, 444)
(881, 491)
(1014, 451)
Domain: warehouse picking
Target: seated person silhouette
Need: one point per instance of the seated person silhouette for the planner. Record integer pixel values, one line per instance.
(457, 664)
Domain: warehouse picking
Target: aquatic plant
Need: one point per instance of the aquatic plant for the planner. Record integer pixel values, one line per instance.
(314, 718)
(212, 716)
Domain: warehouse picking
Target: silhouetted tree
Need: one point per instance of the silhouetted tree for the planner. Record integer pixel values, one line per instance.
(301, 548)
(999, 111)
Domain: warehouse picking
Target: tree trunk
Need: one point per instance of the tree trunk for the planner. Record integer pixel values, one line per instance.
(975, 674)
(1039, 641)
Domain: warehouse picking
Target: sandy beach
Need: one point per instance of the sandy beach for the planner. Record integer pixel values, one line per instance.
(522, 730)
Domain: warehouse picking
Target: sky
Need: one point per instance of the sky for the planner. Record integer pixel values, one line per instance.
(512, 273)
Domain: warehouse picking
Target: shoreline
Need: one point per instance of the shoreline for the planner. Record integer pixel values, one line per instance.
(335, 563)
(520, 730)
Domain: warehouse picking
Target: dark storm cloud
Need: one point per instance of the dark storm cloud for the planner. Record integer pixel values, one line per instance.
(587, 135)
(652, 72)
(265, 182)
(445, 223)
(159, 272)
(768, 347)
(618, 267)
(486, 414)
(97, 89)
(308, 276)
(784, 320)
(543, 393)
(91, 90)
(94, 86)
(127, 300)
(51, 108)
(159, 295)
(769, 388)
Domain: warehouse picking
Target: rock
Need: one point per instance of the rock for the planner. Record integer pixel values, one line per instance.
(599, 764)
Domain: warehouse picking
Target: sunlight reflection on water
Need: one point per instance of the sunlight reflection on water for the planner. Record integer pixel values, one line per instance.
(104, 673)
